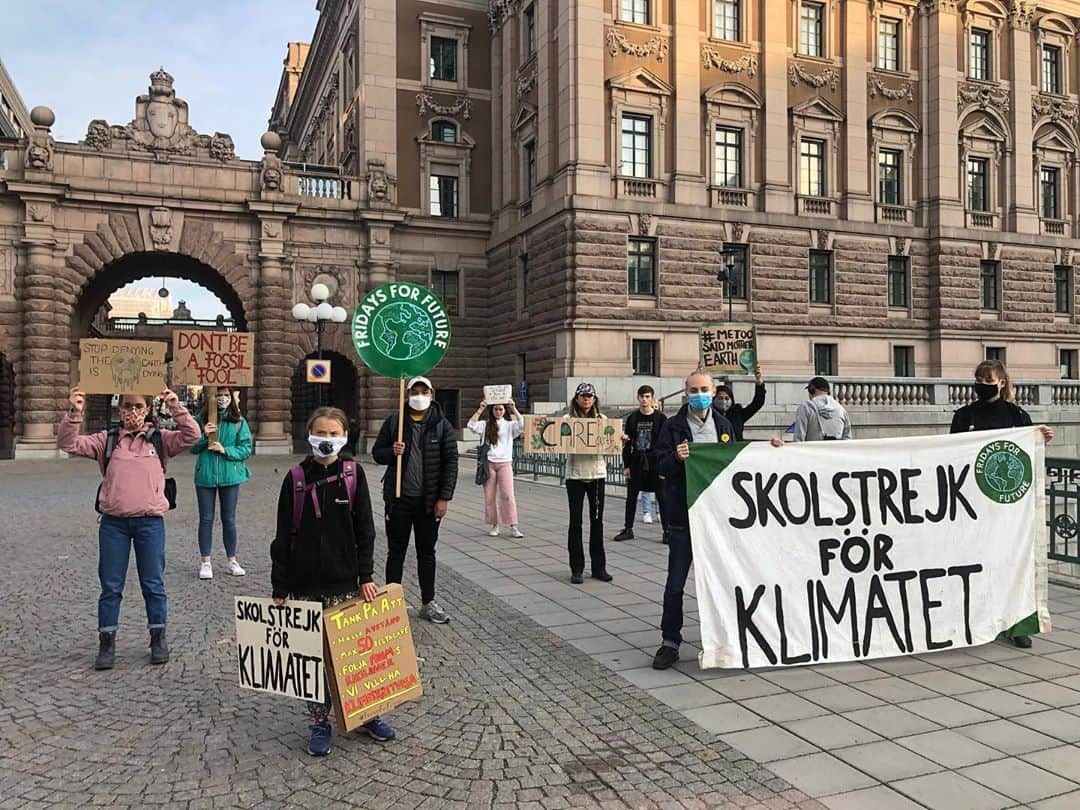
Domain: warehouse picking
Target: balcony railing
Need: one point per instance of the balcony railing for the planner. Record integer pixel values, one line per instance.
(132, 326)
(725, 197)
(894, 213)
(817, 206)
(898, 392)
(640, 187)
(1054, 227)
(982, 219)
(324, 182)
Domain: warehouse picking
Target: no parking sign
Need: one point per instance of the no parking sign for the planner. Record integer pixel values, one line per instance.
(318, 371)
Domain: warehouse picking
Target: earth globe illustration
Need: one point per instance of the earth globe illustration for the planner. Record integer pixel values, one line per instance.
(402, 331)
(1004, 472)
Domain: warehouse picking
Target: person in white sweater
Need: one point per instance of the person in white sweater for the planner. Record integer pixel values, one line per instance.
(501, 424)
(585, 477)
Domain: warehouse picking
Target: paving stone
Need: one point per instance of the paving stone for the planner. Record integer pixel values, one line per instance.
(780, 708)
(769, 743)
(1008, 737)
(687, 696)
(821, 775)
(840, 698)
(1064, 760)
(1050, 694)
(947, 711)
(1067, 801)
(878, 798)
(893, 689)
(950, 748)
(725, 717)
(831, 731)
(1019, 780)
(949, 791)
(1054, 723)
(891, 721)
(1001, 702)
(886, 761)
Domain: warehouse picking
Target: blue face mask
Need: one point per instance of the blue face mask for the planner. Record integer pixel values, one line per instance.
(700, 402)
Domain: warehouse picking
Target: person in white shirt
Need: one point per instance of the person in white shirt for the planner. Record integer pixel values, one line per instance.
(501, 424)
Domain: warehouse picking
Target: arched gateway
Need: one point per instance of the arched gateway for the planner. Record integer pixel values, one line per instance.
(155, 198)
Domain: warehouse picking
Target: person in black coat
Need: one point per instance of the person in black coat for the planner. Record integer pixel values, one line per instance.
(641, 431)
(994, 409)
(429, 471)
(738, 414)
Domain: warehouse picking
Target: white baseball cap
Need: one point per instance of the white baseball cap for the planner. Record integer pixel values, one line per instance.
(416, 380)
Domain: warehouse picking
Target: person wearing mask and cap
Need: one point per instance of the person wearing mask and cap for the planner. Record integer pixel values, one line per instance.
(820, 418)
(429, 471)
(585, 477)
(738, 414)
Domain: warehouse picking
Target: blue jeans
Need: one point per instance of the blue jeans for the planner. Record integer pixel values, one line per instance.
(229, 497)
(680, 555)
(115, 538)
(646, 503)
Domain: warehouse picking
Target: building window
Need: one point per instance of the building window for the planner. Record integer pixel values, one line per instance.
(812, 168)
(995, 353)
(890, 163)
(989, 284)
(1063, 289)
(635, 11)
(978, 184)
(444, 59)
(1048, 181)
(644, 357)
(903, 361)
(825, 359)
(979, 54)
(726, 20)
(888, 44)
(811, 29)
(1067, 361)
(530, 168)
(636, 146)
(641, 266)
(529, 21)
(729, 157)
(898, 281)
(445, 285)
(1051, 69)
(444, 131)
(443, 196)
(820, 277)
(735, 265)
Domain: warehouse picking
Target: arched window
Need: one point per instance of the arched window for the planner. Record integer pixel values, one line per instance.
(444, 131)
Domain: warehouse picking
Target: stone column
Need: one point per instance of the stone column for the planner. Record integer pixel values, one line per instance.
(273, 360)
(689, 185)
(776, 179)
(583, 107)
(941, 78)
(1022, 214)
(380, 394)
(858, 170)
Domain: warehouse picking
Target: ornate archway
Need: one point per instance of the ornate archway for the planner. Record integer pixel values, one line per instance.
(340, 393)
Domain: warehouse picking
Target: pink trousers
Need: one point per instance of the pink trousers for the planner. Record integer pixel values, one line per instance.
(500, 509)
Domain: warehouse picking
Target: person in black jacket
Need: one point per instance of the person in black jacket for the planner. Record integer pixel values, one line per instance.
(641, 430)
(429, 471)
(738, 414)
(697, 421)
(994, 409)
(329, 559)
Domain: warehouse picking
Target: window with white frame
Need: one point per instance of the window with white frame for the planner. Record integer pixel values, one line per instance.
(445, 162)
(728, 157)
(898, 281)
(1049, 187)
(1067, 363)
(990, 284)
(811, 29)
(641, 266)
(812, 168)
(1063, 275)
(978, 184)
(445, 131)
(645, 356)
(889, 176)
(732, 112)
(821, 275)
(825, 359)
(442, 63)
(903, 361)
(888, 44)
(979, 53)
(636, 151)
(444, 51)
(727, 22)
(635, 11)
(443, 195)
(1051, 69)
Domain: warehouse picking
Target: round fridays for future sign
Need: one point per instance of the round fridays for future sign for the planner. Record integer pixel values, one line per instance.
(401, 330)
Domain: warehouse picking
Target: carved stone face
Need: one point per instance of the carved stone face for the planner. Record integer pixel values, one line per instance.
(162, 118)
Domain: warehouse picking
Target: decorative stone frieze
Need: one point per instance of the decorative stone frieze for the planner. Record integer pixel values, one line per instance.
(983, 96)
(829, 76)
(711, 60)
(876, 87)
(657, 46)
(426, 105)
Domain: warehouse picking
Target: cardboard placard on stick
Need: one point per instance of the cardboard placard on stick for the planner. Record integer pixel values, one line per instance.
(279, 648)
(213, 358)
(728, 347)
(373, 665)
(498, 394)
(121, 366)
(569, 435)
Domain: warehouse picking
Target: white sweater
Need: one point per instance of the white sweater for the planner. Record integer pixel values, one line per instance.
(509, 429)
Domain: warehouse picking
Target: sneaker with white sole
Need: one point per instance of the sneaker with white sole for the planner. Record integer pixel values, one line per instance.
(646, 518)
(206, 571)
(493, 532)
(235, 569)
(433, 613)
(515, 532)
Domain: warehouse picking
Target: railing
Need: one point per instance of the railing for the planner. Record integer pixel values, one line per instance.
(1054, 227)
(820, 206)
(977, 220)
(636, 187)
(129, 326)
(324, 182)
(885, 393)
(1065, 395)
(543, 465)
(732, 197)
(1063, 505)
(894, 213)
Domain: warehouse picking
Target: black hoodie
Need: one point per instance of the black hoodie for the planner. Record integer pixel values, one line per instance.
(440, 455)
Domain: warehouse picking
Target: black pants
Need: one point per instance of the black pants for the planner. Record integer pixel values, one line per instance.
(576, 491)
(405, 516)
(633, 490)
(680, 556)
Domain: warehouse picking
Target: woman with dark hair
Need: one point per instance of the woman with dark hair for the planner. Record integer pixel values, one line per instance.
(585, 476)
(219, 472)
(994, 409)
(501, 424)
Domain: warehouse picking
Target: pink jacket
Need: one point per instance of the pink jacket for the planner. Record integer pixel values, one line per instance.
(134, 484)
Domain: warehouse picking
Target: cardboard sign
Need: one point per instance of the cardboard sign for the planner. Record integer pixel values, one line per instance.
(570, 435)
(318, 371)
(373, 665)
(279, 648)
(728, 347)
(121, 366)
(498, 394)
(213, 358)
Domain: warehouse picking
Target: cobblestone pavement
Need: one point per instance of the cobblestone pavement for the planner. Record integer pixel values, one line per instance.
(513, 714)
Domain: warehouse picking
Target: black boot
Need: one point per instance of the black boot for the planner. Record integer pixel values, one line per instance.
(159, 650)
(106, 656)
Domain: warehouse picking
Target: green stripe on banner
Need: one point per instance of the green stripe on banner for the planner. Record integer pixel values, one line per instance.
(705, 463)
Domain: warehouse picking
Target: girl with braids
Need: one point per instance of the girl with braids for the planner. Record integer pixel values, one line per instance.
(498, 428)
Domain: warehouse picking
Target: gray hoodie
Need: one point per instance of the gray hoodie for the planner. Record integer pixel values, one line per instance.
(820, 418)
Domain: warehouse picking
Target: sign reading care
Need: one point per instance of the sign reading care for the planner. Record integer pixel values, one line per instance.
(401, 330)
(571, 435)
(814, 552)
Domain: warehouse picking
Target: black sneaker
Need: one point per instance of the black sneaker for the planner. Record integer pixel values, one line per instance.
(625, 534)
(665, 657)
(1023, 642)
(576, 577)
(603, 576)
(106, 656)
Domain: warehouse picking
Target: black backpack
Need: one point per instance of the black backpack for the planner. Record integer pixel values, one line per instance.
(154, 435)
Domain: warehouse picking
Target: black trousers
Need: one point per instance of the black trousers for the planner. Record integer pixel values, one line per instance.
(576, 492)
(406, 516)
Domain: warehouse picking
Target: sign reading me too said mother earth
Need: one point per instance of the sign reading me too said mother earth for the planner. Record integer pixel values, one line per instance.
(401, 330)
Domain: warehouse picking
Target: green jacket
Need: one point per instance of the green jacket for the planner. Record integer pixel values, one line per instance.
(217, 470)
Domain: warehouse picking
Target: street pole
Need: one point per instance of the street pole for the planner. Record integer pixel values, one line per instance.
(318, 356)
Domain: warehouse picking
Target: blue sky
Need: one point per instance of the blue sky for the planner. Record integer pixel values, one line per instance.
(204, 305)
(90, 60)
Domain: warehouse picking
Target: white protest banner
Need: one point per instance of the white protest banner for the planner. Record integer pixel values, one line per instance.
(279, 648)
(498, 394)
(823, 551)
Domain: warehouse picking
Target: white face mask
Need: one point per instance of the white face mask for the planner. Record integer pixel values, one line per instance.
(327, 446)
(223, 402)
(419, 402)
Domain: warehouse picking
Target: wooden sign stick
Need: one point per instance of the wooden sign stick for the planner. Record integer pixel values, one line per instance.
(211, 405)
(400, 428)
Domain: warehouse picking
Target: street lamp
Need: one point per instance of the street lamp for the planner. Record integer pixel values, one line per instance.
(321, 313)
(726, 276)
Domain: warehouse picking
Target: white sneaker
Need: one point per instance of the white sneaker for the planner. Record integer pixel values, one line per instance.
(515, 532)
(235, 569)
(494, 532)
(646, 518)
(206, 571)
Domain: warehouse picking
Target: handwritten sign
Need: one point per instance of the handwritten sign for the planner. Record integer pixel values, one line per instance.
(569, 435)
(373, 665)
(121, 366)
(498, 394)
(213, 358)
(279, 648)
(728, 347)
(318, 371)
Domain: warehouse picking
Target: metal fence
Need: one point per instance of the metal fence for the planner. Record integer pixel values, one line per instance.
(540, 465)
(1063, 500)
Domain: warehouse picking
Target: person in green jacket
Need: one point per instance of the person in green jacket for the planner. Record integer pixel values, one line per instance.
(219, 472)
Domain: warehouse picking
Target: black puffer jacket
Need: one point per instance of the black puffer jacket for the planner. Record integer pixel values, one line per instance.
(440, 455)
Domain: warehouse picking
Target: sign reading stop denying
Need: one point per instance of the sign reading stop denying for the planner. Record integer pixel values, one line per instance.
(213, 358)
